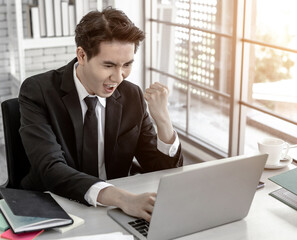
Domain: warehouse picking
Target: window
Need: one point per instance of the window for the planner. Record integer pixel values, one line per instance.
(231, 67)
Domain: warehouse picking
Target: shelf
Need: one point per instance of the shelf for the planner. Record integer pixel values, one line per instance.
(48, 42)
(18, 44)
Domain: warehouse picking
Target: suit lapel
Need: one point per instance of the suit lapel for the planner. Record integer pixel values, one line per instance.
(113, 116)
(73, 107)
(112, 126)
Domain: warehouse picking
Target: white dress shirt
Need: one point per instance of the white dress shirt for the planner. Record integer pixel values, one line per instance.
(92, 193)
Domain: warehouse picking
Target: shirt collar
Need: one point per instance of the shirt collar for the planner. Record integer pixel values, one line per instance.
(82, 92)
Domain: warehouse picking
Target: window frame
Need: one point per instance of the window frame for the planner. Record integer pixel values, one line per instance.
(238, 105)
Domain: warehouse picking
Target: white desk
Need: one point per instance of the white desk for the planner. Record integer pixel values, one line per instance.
(268, 218)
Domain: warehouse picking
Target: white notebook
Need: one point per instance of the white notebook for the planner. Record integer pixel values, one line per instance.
(77, 221)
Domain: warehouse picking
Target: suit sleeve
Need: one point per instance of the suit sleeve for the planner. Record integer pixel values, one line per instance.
(148, 156)
(49, 168)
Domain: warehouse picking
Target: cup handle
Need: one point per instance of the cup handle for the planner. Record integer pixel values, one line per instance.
(286, 149)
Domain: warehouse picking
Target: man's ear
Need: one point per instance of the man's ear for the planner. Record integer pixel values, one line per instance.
(81, 55)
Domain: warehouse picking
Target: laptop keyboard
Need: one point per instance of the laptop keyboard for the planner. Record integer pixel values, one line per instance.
(141, 226)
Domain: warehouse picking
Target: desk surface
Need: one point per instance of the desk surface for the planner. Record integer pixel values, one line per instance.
(268, 218)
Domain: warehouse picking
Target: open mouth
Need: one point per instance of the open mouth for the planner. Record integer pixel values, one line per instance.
(110, 87)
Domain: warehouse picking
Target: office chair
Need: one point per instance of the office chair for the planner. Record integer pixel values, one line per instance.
(17, 161)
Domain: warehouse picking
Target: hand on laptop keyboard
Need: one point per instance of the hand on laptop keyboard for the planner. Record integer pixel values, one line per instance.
(136, 205)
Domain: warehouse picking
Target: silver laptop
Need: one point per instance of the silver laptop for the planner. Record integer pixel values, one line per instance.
(208, 195)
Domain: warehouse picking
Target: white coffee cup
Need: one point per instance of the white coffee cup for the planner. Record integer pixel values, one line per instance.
(276, 149)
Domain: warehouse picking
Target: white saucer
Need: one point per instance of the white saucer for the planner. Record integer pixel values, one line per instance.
(283, 163)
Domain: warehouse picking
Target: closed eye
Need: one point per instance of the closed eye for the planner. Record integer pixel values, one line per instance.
(128, 64)
(108, 66)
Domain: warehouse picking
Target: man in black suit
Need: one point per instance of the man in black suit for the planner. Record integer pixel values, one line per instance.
(53, 110)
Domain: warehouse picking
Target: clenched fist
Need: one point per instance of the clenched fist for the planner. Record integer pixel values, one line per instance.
(157, 97)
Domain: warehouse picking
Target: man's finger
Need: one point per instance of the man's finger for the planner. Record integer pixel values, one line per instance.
(156, 90)
(149, 209)
(158, 86)
(146, 216)
(150, 91)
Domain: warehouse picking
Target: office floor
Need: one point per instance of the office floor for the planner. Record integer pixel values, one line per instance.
(188, 159)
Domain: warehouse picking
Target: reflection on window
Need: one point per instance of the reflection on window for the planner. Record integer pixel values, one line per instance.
(272, 74)
(195, 46)
(202, 57)
(209, 120)
(192, 52)
(274, 81)
(273, 21)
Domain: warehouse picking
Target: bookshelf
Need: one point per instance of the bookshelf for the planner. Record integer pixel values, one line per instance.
(17, 20)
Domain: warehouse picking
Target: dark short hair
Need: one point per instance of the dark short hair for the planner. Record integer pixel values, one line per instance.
(106, 26)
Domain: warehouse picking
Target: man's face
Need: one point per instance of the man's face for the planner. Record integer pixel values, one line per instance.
(103, 73)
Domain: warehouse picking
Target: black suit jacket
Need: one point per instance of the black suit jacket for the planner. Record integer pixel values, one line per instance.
(52, 130)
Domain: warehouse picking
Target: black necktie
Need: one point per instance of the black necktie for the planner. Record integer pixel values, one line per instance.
(90, 138)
